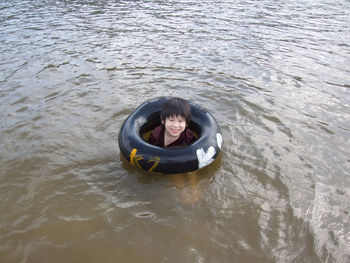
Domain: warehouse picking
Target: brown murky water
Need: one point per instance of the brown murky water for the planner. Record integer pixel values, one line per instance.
(275, 75)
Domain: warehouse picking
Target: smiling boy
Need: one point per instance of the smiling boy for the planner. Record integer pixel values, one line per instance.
(174, 131)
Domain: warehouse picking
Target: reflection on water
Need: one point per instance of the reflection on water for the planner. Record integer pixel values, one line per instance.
(274, 74)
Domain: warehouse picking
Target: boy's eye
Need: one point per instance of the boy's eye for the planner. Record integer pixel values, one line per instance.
(176, 119)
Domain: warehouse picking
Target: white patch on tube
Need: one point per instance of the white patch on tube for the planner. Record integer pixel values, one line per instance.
(205, 158)
(219, 140)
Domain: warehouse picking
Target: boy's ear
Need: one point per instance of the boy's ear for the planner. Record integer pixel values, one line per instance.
(162, 121)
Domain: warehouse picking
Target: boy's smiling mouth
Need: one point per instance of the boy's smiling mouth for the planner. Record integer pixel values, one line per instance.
(175, 131)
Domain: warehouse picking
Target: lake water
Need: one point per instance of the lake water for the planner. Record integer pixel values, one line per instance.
(276, 76)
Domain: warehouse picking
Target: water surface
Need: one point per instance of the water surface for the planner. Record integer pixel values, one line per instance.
(275, 74)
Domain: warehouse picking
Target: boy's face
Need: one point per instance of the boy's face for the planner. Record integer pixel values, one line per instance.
(174, 125)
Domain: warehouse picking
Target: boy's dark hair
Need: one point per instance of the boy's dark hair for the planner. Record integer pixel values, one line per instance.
(177, 107)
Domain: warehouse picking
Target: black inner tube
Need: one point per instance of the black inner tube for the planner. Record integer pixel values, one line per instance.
(133, 141)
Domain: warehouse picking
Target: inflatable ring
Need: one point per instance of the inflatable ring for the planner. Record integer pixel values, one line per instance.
(140, 153)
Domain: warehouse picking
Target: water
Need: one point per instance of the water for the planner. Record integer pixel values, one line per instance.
(275, 74)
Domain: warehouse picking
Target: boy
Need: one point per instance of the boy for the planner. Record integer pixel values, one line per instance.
(174, 131)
